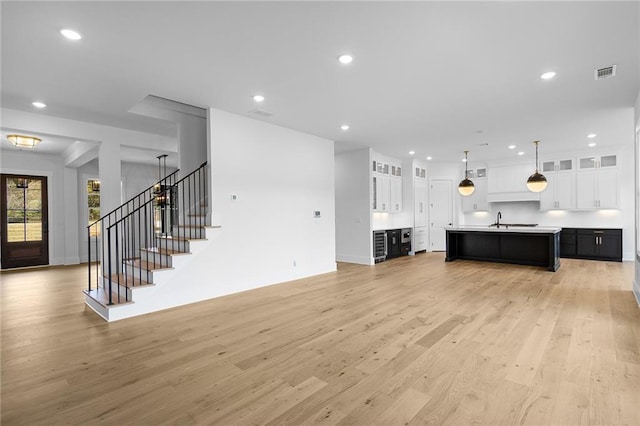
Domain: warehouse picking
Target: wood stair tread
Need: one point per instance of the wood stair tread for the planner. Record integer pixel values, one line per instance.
(129, 281)
(164, 251)
(147, 266)
(177, 238)
(102, 297)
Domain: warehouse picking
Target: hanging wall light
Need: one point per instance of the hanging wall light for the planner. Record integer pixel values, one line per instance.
(466, 187)
(536, 182)
(22, 141)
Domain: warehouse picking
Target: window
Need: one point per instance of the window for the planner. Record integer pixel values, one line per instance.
(24, 209)
(93, 204)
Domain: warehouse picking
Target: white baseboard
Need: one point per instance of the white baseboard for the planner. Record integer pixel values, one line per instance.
(353, 259)
(72, 260)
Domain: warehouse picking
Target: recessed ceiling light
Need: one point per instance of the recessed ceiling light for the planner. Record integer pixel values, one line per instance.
(548, 75)
(521, 153)
(411, 152)
(429, 158)
(71, 34)
(38, 104)
(345, 59)
(345, 127)
(591, 135)
(512, 146)
(258, 98)
(464, 160)
(592, 144)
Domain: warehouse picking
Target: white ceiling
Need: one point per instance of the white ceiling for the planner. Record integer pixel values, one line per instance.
(433, 77)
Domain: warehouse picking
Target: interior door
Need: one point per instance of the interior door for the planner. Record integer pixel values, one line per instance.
(24, 219)
(440, 212)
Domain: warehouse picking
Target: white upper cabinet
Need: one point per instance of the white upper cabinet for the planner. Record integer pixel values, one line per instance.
(386, 179)
(476, 202)
(598, 162)
(597, 182)
(561, 187)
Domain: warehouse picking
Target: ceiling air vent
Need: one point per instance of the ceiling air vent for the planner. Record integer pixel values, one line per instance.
(606, 72)
(261, 113)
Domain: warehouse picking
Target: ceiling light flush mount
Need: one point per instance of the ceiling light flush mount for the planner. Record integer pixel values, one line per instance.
(345, 59)
(512, 146)
(466, 186)
(429, 158)
(521, 153)
(39, 104)
(22, 141)
(591, 135)
(592, 144)
(71, 34)
(411, 152)
(548, 75)
(536, 182)
(258, 98)
(344, 127)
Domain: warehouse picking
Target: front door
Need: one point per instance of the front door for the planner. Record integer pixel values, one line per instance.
(440, 212)
(24, 219)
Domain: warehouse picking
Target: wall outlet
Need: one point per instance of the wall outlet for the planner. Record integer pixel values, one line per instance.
(316, 214)
(234, 197)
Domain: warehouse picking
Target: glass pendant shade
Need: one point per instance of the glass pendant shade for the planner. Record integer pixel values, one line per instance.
(21, 141)
(536, 182)
(466, 186)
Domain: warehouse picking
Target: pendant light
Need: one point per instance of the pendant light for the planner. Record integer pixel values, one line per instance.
(466, 187)
(536, 182)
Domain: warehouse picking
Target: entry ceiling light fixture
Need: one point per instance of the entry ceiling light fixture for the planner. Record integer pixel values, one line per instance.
(536, 182)
(466, 186)
(22, 141)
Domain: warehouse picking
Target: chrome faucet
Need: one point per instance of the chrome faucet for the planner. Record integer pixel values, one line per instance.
(498, 217)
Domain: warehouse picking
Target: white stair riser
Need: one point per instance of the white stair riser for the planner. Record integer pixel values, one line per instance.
(196, 220)
(194, 233)
(159, 258)
(178, 245)
(143, 274)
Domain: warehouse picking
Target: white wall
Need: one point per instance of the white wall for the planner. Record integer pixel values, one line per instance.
(353, 211)
(269, 234)
(62, 199)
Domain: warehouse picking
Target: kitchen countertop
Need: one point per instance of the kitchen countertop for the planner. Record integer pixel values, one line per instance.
(503, 228)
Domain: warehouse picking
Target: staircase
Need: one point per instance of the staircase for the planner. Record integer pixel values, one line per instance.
(135, 248)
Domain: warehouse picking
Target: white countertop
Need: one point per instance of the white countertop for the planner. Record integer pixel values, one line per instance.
(526, 229)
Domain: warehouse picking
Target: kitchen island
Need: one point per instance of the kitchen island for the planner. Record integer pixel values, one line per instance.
(537, 246)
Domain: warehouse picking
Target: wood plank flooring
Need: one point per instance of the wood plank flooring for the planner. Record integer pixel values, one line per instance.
(412, 341)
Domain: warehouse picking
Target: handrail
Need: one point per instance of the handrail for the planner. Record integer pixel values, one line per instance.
(140, 235)
(134, 197)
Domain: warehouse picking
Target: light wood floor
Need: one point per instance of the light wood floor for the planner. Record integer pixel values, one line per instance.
(407, 342)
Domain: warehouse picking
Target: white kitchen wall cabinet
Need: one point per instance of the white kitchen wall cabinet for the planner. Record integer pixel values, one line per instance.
(476, 202)
(598, 162)
(386, 178)
(395, 196)
(381, 193)
(561, 187)
(597, 189)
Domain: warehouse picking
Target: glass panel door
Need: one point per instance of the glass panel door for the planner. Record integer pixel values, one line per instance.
(24, 221)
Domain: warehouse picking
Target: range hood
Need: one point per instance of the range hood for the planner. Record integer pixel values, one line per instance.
(509, 184)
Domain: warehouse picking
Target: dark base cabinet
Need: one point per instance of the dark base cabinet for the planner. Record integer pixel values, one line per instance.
(523, 248)
(591, 243)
